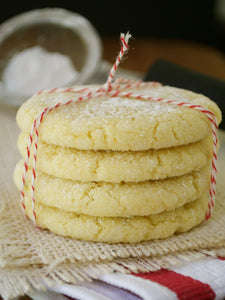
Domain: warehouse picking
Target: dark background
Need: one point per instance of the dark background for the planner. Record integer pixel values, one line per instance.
(192, 20)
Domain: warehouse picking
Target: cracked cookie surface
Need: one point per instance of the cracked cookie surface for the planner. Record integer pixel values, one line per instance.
(119, 123)
(120, 230)
(116, 199)
(117, 166)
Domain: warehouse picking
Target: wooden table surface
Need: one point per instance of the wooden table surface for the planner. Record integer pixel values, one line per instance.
(144, 52)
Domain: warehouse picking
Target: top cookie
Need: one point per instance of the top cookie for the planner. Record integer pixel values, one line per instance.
(119, 123)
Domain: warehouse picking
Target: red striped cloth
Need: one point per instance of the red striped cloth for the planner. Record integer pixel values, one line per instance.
(200, 280)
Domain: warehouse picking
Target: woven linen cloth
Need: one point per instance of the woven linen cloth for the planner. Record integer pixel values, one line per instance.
(33, 259)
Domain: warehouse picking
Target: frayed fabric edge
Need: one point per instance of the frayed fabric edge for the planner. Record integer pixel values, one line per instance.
(15, 282)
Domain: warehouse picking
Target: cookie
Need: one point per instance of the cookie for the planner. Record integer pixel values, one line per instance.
(116, 199)
(118, 123)
(120, 230)
(117, 166)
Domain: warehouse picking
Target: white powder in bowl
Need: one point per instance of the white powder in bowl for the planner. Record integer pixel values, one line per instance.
(35, 69)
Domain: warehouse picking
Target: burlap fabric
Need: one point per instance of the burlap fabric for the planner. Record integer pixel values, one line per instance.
(30, 257)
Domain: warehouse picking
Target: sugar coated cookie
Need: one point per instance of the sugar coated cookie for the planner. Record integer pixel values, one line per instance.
(119, 123)
(120, 230)
(117, 166)
(116, 199)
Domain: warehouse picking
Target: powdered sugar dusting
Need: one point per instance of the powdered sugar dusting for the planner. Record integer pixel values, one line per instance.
(107, 108)
(104, 106)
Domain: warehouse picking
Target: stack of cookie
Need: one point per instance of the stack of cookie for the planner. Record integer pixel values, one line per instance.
(119, 169)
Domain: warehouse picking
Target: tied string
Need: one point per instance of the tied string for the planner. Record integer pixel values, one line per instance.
(111, 89)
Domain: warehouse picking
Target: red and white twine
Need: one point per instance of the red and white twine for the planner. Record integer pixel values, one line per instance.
(113, 90)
